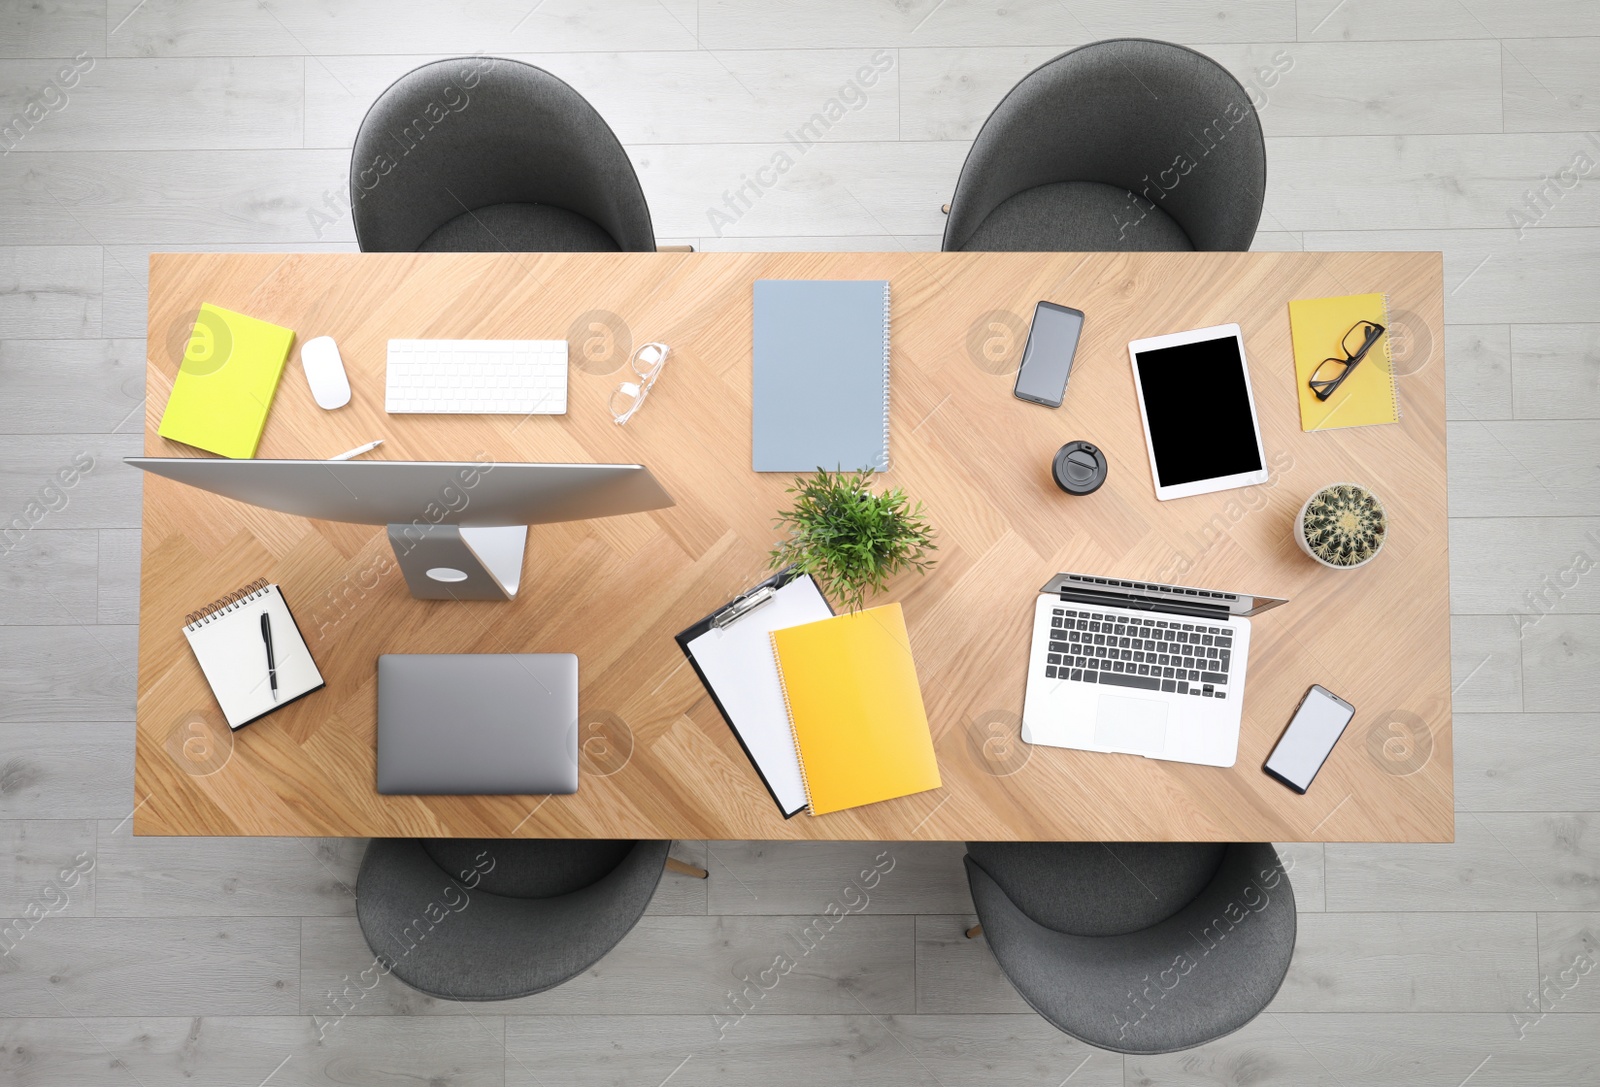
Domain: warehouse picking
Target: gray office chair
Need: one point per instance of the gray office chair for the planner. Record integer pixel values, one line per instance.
(493, 919)
(1136, 948)
(483, 154)
(1126, 144)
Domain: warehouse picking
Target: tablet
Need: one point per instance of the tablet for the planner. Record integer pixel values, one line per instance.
(1198, 412)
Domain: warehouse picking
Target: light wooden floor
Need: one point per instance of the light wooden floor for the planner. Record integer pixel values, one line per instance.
(1416, 125)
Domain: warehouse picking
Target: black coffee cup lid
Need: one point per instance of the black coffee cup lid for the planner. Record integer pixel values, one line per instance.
(1079, 468)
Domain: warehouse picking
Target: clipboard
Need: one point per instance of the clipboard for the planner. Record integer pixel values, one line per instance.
(731, 649)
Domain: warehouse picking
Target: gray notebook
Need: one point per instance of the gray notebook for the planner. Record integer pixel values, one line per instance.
(820, 384)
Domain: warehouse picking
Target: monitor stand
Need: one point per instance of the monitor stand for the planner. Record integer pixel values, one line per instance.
(451, 562)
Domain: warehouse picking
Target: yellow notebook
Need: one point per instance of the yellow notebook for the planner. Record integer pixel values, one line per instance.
(1317, 327)
(226, 382)
(856, 709)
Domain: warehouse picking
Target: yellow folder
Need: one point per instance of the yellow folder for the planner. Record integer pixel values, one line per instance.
(1317, 326)
(856, 709)
(226, 382)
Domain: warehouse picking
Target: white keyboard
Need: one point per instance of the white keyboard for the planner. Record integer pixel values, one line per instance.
(476, 377)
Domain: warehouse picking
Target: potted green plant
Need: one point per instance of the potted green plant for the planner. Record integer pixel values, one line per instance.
(850, 539)
(1342, 526)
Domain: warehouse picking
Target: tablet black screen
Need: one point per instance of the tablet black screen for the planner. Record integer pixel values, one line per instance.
(1198, 409)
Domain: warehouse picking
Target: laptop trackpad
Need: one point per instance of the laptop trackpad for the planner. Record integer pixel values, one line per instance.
(1137, 726)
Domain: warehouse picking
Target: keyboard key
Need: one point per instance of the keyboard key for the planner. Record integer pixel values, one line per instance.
(1168, 686)
(1049, 671)
(1058, 611)
(1077, 673)
(1116, 666)
(1166, 673)
(1183, 686)
(1194, 677)
(1207, 678)
(1144, 669)
(1094, 628)
(1209, 690)
(1125, 680)
(1058, 647)
(1056, 622)
(1053, 658)
(1091, 676)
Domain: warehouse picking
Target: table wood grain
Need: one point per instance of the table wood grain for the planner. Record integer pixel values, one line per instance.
(657, 759)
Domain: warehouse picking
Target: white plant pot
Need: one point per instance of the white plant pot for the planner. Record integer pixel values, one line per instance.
(1300, 527)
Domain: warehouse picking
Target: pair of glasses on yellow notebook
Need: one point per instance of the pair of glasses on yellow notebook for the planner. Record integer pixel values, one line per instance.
(1330, 374)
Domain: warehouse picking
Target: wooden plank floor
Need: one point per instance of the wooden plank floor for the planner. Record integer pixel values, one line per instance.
(226, 127)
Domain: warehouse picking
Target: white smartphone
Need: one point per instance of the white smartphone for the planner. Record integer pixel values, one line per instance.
(1305, 745)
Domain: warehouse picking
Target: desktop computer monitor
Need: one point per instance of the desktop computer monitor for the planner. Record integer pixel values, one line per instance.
(458, 528)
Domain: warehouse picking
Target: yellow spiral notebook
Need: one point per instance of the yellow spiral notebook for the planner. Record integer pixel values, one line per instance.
(226, 382)
(1317, 327)
(856, 709)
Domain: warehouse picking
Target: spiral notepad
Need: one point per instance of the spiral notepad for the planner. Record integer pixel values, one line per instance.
(856, 709)
(226, 638)
(820, 375)
(1318, 328)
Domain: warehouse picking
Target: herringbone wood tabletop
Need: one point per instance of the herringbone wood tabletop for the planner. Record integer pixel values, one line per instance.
(657, 760)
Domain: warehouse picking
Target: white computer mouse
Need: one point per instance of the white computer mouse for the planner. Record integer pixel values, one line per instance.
(325, 372)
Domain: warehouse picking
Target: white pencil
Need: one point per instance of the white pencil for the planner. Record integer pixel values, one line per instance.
(358, 450)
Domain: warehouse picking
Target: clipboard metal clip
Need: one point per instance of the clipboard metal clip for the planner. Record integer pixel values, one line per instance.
(743, 606)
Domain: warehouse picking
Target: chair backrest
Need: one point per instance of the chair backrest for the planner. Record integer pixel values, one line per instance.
(457, 135)
(1164, 122)
(527, 867)
(1094, 889)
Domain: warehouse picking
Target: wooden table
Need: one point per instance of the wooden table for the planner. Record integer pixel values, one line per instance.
(657, 760)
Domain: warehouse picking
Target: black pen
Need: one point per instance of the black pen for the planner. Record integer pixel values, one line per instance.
(272, 665)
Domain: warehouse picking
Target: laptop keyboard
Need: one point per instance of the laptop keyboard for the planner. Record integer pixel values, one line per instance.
(1150, 654)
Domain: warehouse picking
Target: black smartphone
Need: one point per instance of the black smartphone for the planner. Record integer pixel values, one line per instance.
(1305, 745)
(1047, 358)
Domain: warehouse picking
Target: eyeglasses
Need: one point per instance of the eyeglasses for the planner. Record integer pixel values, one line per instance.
(646, 363)
(1330, 374)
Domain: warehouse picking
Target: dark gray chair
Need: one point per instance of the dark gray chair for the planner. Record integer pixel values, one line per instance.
(483, 154)
(1136, 948)
(492, 919)
(1126, 144)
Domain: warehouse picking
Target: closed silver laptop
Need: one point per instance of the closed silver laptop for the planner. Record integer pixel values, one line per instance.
(461, 723)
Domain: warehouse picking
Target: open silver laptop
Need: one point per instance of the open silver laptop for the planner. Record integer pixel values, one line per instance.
(1139, 668)
(463, 723)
